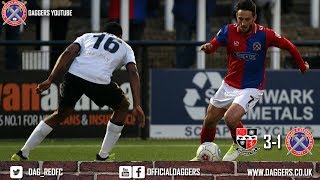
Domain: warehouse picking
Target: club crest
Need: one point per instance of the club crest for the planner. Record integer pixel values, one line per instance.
(247, 139)
(256, 46)
(299, 142)
(14, 13)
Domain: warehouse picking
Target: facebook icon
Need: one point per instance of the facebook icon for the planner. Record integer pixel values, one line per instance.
(138, 172)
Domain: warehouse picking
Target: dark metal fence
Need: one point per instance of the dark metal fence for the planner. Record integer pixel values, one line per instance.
(152, 54)
(158, 54)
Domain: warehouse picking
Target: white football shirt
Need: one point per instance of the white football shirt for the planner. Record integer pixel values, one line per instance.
(99, 56)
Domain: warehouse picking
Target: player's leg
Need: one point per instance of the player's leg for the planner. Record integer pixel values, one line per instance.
(246, 100)
(211, 120)
(114, 128)
(232, 119)
(69, 94)
(36, 137)
(216, 110)
(112, 96)
(43, 129)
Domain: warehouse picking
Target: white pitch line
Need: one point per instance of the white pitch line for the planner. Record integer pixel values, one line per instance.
(121, 146)
(131, 145)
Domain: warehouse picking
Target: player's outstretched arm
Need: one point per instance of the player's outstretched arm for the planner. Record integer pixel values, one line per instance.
(283, 43)
(135, 87)
(292, 49)
(64, 59)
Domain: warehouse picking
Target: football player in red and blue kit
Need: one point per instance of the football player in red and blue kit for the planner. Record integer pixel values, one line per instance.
(247, 44)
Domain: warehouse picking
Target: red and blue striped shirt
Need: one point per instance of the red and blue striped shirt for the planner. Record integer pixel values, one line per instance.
(246, 54)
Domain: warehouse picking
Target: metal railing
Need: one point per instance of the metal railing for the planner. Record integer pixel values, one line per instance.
(162, 51)
(161, 54)
(313, 43)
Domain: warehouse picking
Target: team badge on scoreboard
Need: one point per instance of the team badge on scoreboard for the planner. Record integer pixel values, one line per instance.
(247, 139)
(14, 13)
(299, 142)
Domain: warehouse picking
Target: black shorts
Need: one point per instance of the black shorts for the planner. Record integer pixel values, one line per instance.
(73, 87)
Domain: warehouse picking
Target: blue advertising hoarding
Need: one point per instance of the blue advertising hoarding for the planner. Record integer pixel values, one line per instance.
(179, 99)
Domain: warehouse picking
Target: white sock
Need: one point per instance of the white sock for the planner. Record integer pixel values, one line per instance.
(36, 137)
(112, 135)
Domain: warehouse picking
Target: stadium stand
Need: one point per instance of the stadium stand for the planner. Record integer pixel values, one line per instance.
(163, 56)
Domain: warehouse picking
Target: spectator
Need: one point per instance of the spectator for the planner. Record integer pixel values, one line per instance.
(286, 6)
(11, 52)
(153, 9)
(264, 7)
(34, 5)
(59, 26)
(85, 10)
(185, 18)
(233, 12)
(137, 13)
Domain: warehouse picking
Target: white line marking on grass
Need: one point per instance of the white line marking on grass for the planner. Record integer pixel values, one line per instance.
(127, 145)
(130, 145)
(120, 145)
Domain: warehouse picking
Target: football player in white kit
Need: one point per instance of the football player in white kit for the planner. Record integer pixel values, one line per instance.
(94, 57)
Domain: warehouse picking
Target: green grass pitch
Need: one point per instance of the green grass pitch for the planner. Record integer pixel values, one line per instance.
(141, 150)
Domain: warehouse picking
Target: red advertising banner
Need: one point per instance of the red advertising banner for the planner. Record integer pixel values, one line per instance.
(21, 108)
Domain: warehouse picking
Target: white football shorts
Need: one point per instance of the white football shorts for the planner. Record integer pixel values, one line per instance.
(226, 95)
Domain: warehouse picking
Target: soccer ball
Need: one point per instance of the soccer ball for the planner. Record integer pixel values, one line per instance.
(209, 151)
